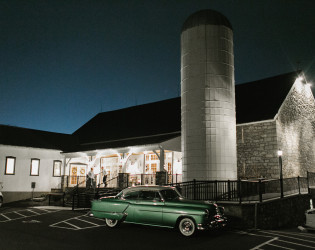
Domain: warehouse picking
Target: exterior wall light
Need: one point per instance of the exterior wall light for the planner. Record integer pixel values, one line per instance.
(280, 152)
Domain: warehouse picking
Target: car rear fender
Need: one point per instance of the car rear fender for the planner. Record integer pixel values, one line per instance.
(110, 209)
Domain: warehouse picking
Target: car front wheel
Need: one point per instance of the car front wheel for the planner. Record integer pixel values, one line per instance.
(111, 223)
(187, 227)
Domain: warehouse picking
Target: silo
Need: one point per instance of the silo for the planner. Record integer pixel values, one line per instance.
(208, 98)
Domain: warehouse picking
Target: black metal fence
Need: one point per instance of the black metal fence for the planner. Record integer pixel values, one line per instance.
(246, 190)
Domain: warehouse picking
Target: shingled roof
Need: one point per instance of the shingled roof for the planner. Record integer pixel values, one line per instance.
(16, 136)
(261, 100)
(139, 125)
(153, 122)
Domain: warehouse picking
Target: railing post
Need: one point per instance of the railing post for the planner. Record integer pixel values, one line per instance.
(239, 190)
(281, 187)
(216, 190)
(229, 190)
(194, 189)
(260, 190)
(298, 178)
(73, 201)
(308, 182)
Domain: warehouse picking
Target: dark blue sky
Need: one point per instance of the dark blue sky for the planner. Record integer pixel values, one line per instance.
(62, 61)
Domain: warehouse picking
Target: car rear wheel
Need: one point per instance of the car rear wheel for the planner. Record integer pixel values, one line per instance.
(111, 223)
(187, 227)
(1, 201)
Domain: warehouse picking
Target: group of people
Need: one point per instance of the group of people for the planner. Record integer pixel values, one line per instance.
(90, 180)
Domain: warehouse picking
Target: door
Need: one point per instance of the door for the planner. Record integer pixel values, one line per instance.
(149, 208)
(77, 174)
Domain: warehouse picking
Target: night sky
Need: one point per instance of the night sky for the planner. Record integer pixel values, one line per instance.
(62, 61)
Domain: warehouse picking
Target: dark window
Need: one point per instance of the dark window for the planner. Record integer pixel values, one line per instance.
(150, 195)
(131, 195)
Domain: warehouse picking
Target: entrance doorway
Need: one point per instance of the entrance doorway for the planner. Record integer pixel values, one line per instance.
(77, 174)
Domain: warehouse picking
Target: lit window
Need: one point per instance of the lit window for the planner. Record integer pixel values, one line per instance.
(35, 167)
(10, 165)
(57, 169)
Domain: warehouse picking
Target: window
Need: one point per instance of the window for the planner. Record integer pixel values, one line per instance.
(35, 167)
(57, 169)
(154, 157)
(131, 195)
(10, 165)
(150, 195)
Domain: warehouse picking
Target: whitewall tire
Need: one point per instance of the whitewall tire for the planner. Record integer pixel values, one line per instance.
(187, 227)
(111, 223)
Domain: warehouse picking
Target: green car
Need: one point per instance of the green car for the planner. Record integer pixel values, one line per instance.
(158, 206)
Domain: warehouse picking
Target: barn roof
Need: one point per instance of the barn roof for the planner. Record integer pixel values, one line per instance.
(16, 136)
(152, 123)
(261, 100)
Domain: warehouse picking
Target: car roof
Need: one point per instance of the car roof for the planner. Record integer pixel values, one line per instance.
(145, 187)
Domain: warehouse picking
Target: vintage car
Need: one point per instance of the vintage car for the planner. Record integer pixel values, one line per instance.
(158, 206)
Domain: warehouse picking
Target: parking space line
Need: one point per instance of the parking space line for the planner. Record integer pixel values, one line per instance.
(73, 221)
(306, 235)
(263, 244)
(87, 221)
(286, 236)
(77, 228)
(20, 214)
(281, 247)
(5, 217)
(298, 244)
(33, 211)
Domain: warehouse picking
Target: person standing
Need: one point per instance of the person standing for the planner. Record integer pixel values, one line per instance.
(104, 173)
(91, 180)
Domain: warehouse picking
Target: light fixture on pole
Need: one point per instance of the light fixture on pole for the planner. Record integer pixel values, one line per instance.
(281, 175)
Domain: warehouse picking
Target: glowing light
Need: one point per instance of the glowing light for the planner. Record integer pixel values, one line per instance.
(280, 152)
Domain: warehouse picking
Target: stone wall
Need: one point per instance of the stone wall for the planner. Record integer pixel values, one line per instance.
(257, 150)
(296, 131)
(273, 214)
(293, 131)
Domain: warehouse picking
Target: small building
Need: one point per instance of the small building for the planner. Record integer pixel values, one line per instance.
(275, 114)
(31, 161)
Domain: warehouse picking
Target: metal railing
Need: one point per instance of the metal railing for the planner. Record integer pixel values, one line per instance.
(245, 190)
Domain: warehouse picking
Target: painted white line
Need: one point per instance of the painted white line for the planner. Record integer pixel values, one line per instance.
(77, 228)
(290, 237)
(20, 214)
(24, 216)
(307, 235)
(297, 244)
(55, 225)
(88, 222)
(5, 217)
(32, 211)
(281, 247)
(263, 244)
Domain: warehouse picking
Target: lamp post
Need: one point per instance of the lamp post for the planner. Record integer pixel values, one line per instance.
(281, 176)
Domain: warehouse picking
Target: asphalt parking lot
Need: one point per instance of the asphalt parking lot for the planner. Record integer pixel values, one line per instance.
(44, 227)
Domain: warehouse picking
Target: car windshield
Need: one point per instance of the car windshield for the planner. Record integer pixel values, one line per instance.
(170, 194)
